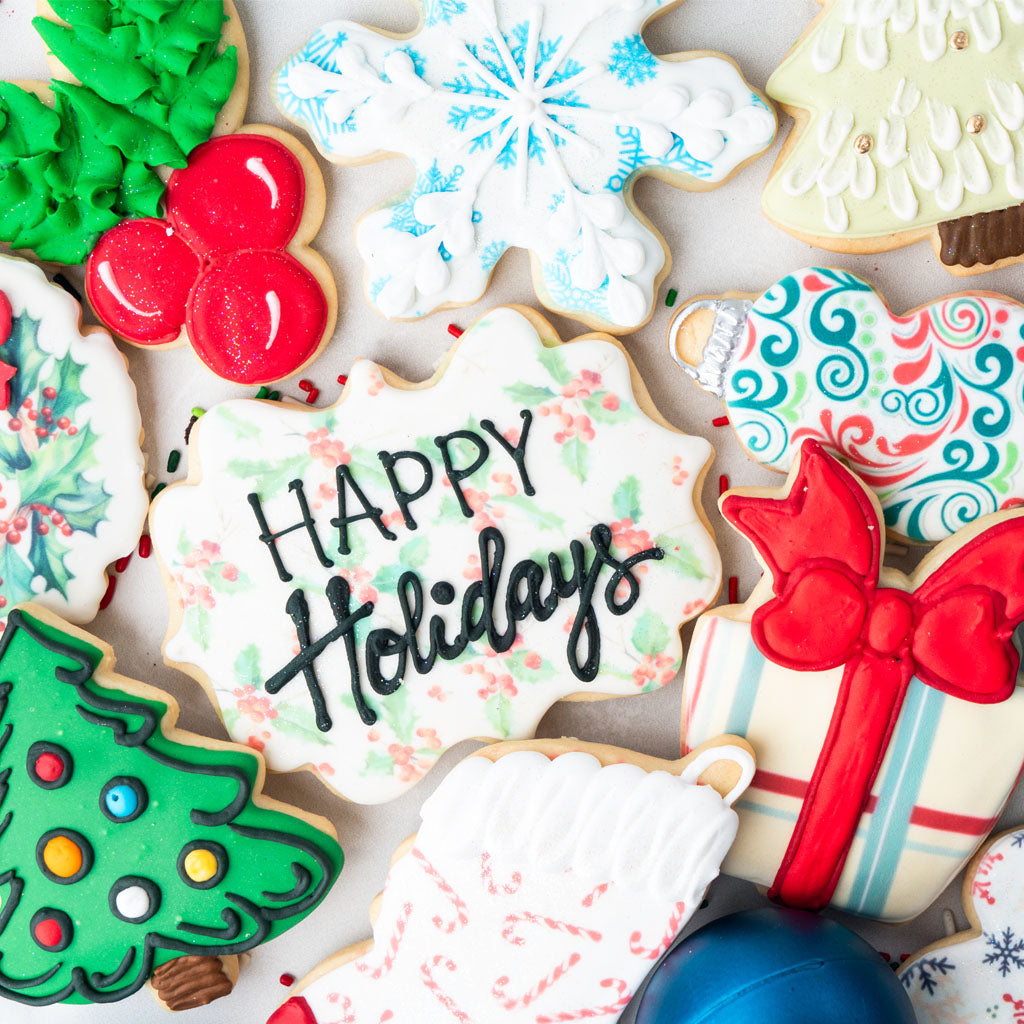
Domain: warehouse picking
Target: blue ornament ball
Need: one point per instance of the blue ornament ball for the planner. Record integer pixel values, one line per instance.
(774, 966)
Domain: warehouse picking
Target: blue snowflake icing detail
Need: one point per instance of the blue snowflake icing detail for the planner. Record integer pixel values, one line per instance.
(403, 217)
(492, 252)
(435, 11)
(1007, 951)
(929, 972)
(631, 62)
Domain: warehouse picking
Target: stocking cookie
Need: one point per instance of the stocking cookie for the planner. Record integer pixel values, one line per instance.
(974, 977)
(925, 407)
(908, 126)
(132, 851)
(886, 709)
(544, 882)
(72, 495)
(363, 586)
(136, 86)
(228, 269)
(525, 129)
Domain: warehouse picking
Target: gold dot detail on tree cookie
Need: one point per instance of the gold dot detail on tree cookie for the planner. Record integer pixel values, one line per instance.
(863, 143)
(976, 124)
(959, 40)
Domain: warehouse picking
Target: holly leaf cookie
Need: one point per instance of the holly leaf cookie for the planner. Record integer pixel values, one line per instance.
(132, 852)
(526, 128)
(545, 880)
(72, 495)
(925, 407)
(425, 563)
(909, 121)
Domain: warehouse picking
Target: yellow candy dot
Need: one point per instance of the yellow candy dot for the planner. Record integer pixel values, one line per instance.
(200, 865)
(62, 857)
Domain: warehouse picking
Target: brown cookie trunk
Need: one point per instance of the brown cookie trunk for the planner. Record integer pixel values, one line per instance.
(190, 981)
(985, 238)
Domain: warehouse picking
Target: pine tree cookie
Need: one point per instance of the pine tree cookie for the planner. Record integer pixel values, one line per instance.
(132, 851)
(545, 881)
(72, 495)
(925, 407)
(361, 587)
(526, 127)
(909, 125)
(136, 87)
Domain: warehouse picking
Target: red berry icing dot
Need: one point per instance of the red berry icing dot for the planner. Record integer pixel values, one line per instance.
(138, 279)
(49, 933)
(49, 767)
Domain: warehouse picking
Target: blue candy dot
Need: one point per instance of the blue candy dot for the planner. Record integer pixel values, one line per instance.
(122, 801)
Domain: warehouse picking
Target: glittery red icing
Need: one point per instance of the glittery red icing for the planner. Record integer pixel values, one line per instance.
(217, 265)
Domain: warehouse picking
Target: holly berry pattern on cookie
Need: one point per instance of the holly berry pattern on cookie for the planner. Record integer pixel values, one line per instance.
(228, 267)
(127, 844)
(362, 587)
(527, 127)
(72, 498)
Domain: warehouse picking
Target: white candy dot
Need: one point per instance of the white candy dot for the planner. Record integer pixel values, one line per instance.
(132, 902)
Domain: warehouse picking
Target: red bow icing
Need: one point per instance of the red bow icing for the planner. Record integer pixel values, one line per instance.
(822, 544)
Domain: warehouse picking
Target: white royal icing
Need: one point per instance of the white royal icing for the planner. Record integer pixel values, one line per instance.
(256, 166)
(110, 282)
(593, 456)
(537, 890)
(517, 119)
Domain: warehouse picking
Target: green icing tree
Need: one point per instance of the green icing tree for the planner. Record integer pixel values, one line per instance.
(121, 849)
(152, 85)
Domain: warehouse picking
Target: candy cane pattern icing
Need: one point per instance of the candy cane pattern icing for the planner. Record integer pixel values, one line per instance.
(928, 408)
(228, 268)
(909, 125)
(72, 498)
(532, 465)
(527, 126)
(977, 976)
(544, 949)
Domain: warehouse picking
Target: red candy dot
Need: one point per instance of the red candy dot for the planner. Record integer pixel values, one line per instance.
(1002, 316)
(49, 767)
(49, 933)
(49, 392)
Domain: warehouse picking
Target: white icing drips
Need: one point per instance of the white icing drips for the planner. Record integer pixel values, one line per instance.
(907, 97)
(828, 47)
(110, 283)
(256, 166)
(892, 141)
(902, 197)
(837, 217)
(945, 124)
(998, 143)
(274, 307)
(972, 168)
(834, 129)
(801, 177)
(1008, 99)
(925, 166)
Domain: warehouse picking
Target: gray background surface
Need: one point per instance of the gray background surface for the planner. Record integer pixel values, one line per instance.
(719, 242)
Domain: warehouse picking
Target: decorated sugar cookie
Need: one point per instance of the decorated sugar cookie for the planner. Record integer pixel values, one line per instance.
(527, 127)
(886, 709)
(136, 86)
(363, 586)
(131, 851)
(928, 408)
(72, 495)
(908, 126)
(976, 976)
(228, 269)
(544, 882)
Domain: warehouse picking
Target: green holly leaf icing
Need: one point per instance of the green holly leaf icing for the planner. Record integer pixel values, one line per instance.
(576, 458)
(650, 634)
(272, 868)
(626, 499)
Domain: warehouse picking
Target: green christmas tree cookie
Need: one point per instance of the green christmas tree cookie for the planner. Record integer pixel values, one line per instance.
(126, 845)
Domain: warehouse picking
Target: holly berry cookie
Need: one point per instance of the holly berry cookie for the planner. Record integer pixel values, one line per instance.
(72, 495)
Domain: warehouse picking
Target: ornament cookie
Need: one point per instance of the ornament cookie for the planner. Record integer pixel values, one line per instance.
(72, 495)
(526, 128)
(908, 126)
(228, 269)
(886, 710)
(545, 880)
(926, 407)
(136, 86)
(974, 977)
(363, 586)
(132, 850)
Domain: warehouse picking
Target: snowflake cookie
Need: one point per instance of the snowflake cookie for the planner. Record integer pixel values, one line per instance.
(72, 498)
(527, 125)
(977, 976)
(364, 586)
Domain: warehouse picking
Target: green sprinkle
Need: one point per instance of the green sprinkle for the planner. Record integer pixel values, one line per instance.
(670, 299)
(274, 396)
(197, 411)
(262, 393)
(172, 460)
(156, 490)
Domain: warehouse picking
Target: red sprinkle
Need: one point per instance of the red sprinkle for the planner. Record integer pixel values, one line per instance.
(720, 421)
(145, 546)
(122, 563)
(734, 589)
(312, 396)
(305, 385)
(455, 331)
(723, 484)
(342, 379)
(109, 595)
(287, 979)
